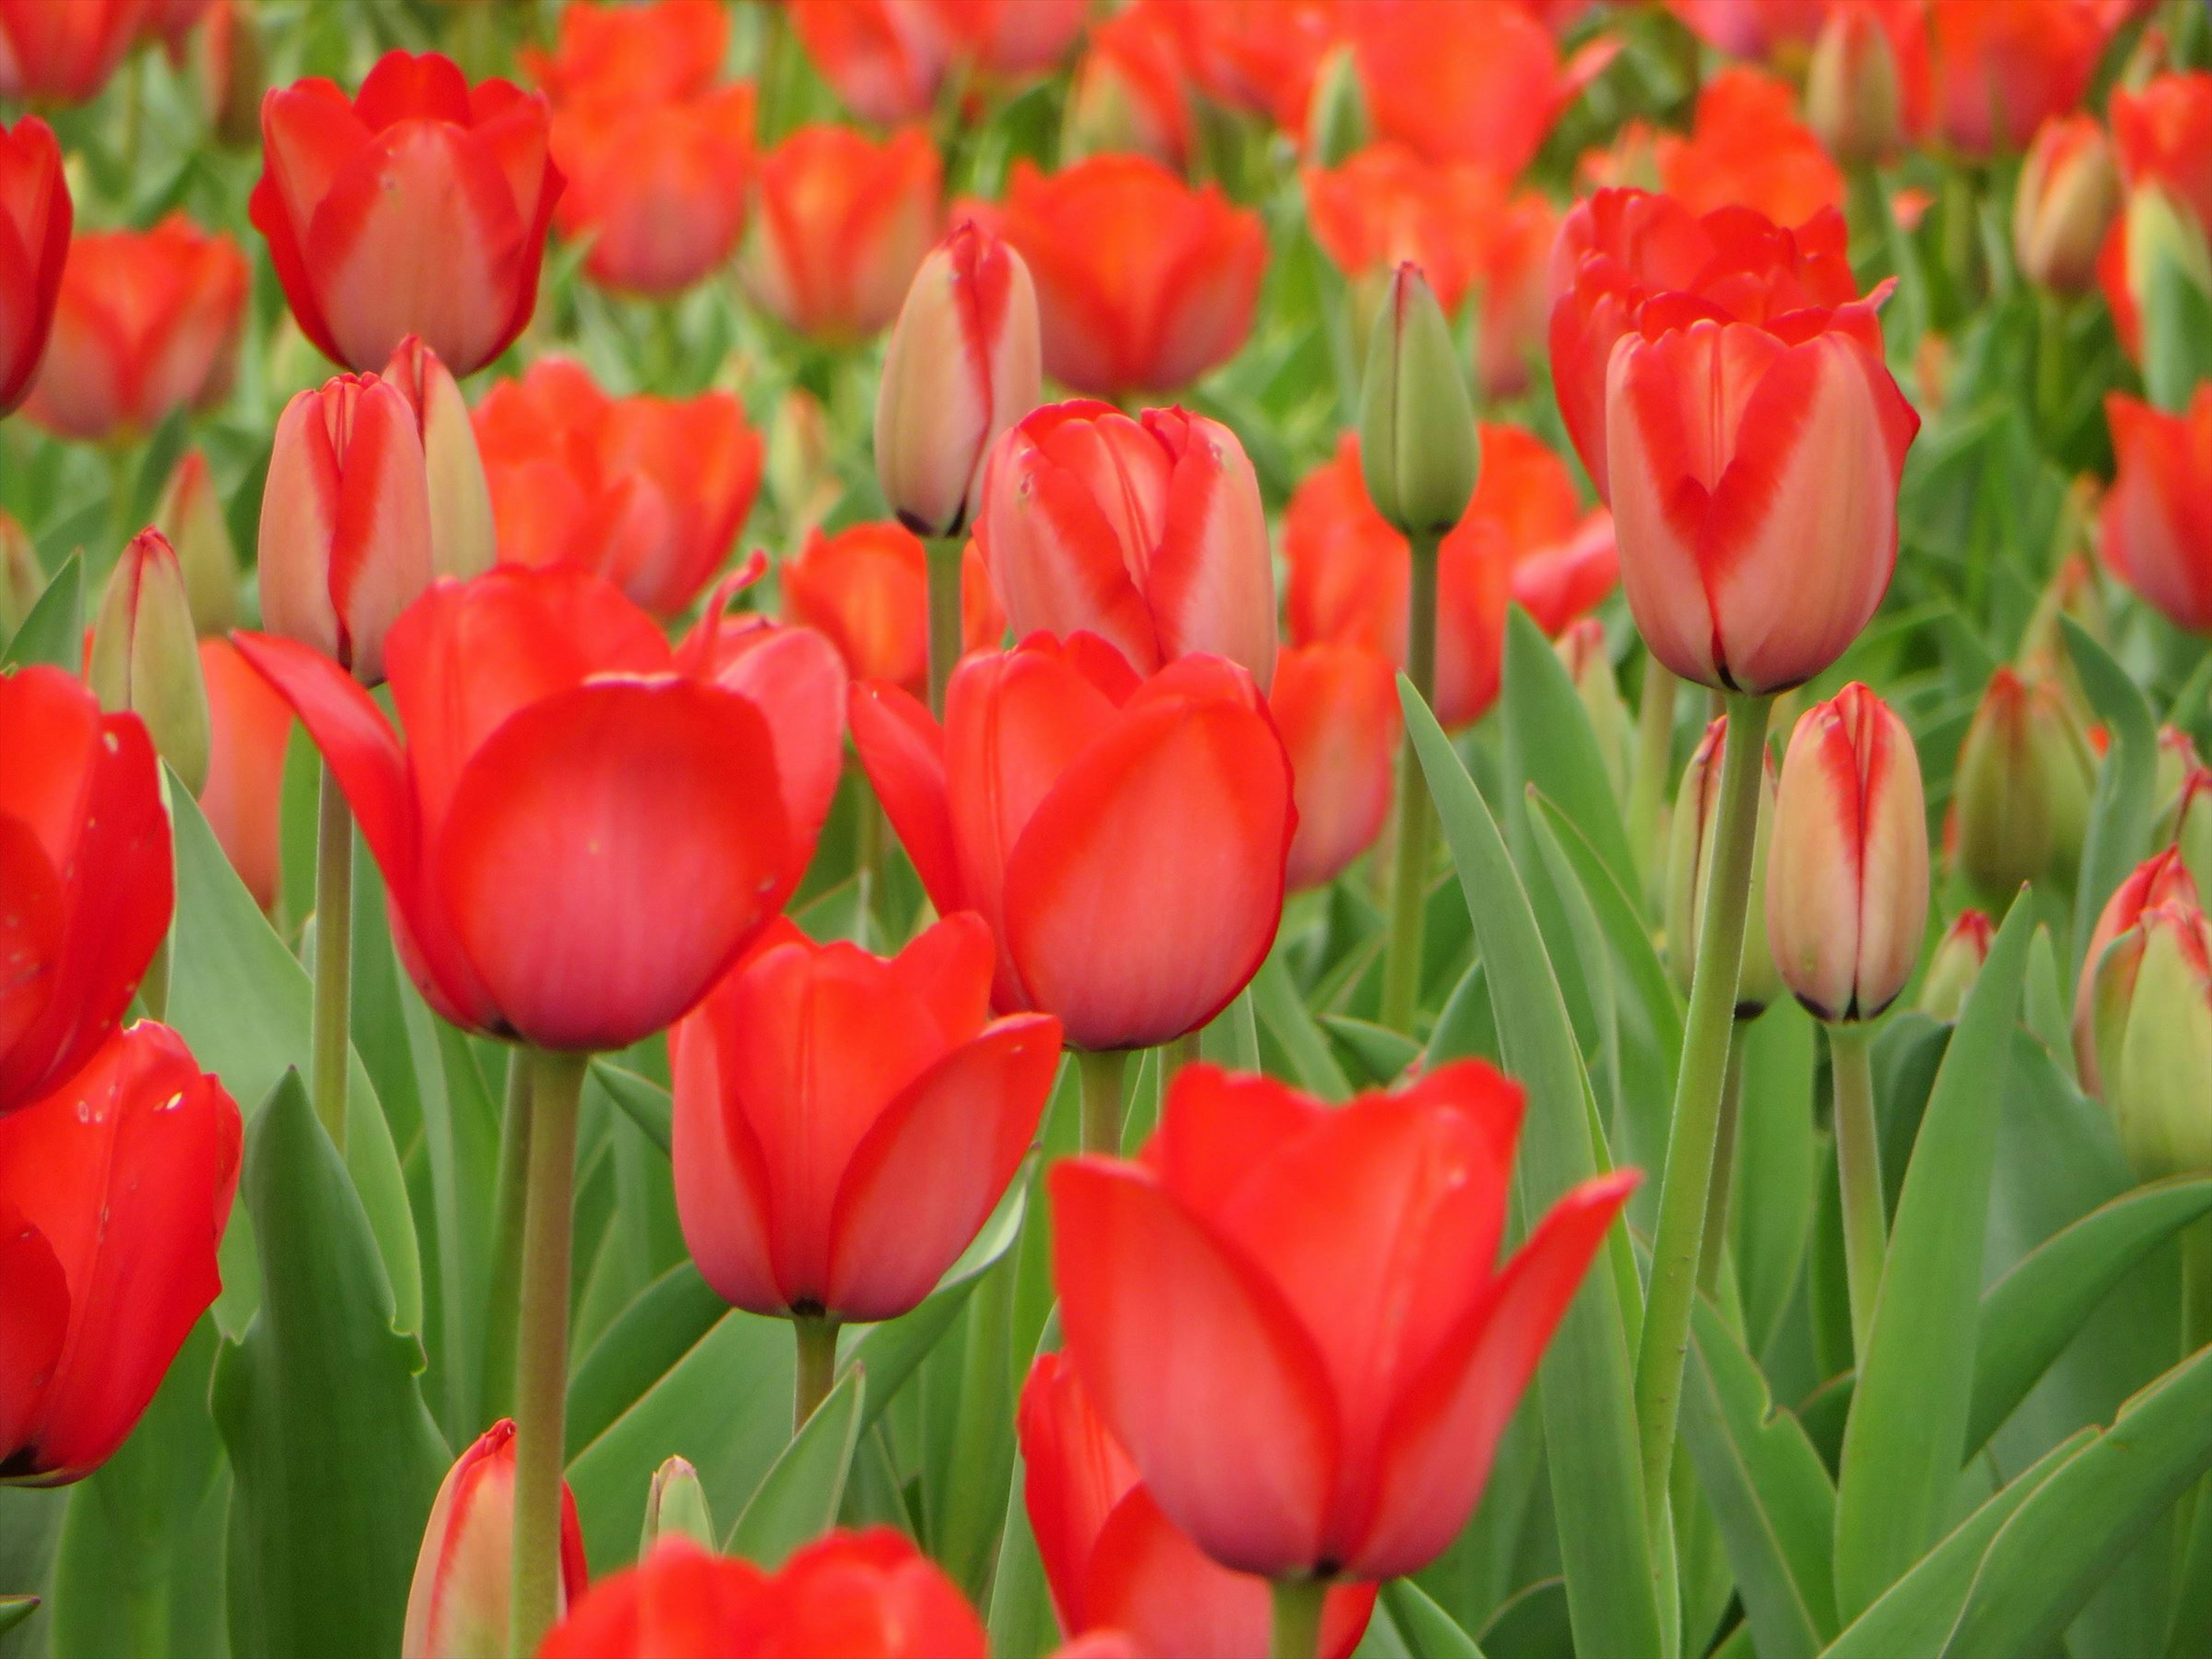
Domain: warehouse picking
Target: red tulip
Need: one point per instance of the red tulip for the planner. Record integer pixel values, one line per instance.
(1259, 55)
(249, 728)
(1524, 537)
(145, 324)
(2163, 132)
(84, 860)
(1385, 207)
(849, 1595)
(1124, 839)
(845, 1123)
(840, 227)
(2067, 201)
(1149, 533)
(114, 1188)
(1143, 283)
(1288, 1314)
(1747, 149)
(888, 60)
(62, 51)
(1756, 29)
(457, 1606)
(1336, 706)
(649, 492)
(35, 217)
(2161, 879)
(462, 541)
(2002, 68)
(1115, 1562)
(2155, 530)
(576, 841)
(655, 152)
(420, 206)
(865, 590)
(1127, 94)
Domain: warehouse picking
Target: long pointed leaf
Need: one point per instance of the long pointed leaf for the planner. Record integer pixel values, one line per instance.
(798, 1498)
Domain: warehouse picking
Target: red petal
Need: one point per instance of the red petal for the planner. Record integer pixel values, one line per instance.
(902, 749)
(722, 1196)
(947, 970)
(33, 1323)
(1074, 1474)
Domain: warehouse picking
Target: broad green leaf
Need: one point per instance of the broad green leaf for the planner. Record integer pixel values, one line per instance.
(964, 1475)
(1907, 1436)
(1588, 1412)
(1549, 743)
(648, 1105)
(2120, 812)
(53, 632)
(1467, 1026)
(1772, 1209)
(1533, 1623)
(461, 1135)
(334, 1454)
(1382, 1053)
(14, 1609)
(1429, 1631)
(1283, 1015)
(1233, 1038)
(797, 1499)
(671, 1317)
(1021, 1619)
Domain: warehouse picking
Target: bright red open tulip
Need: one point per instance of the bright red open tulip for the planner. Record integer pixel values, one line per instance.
(889, 59)
(63, 51)
(249, 727)
(840, 226)
(866, 589)
(845, 1123)
(35, 217)
(114, 1188)
(1124, 838)
(1336, 706)
(2156, 523)
(2161, 879)
(145, 324)
(418, 206)
(1115, 1562)
(84, 862)
(1148, 533)
(1747, 148)
(576, 839)
(457, 1606)
(1290, 1315)
(1143, 282)
(2162, 131)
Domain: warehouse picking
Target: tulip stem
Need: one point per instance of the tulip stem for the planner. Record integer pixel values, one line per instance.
(944, 635)
(2051, 354)
(1297, 1631)
(1717, 1191)
(541, 1385)
(1858, 1174)
(1692, 1141)
(817, 1370)
(329, 1039)
(1174, 1056)
(1099, 1071)
(1409, 867)
(1655, 766)
(495, 1388)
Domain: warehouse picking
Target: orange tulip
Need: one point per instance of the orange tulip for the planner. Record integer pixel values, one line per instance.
(35, 217)
(1385, 206)
(2155, 527)
(1129, 93)
(1747, 148)
(63, 51)
(888, 60)
(841, 225)
(249, 728)
(1336, 706)
(2163, 134)
(866, 589)
(2001, 68)
(1259, 55)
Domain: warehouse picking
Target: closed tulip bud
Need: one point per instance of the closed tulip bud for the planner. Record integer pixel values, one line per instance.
(1417, 445)
(676, 1505)
(2188, 825)
(1689, 873)
(1582, 647)
(1956, 964)
(190, 514)
(345, 521)
(2162, 878)
(457, 1606)
(462, 541)
(21, 578)
(1847, 888)
(144, 658)
(2166, 249)
(2178, 763)
(962, 366)
(1854, 95)
(1337, 124)
(2152, 1020)
(2020, 794)
(2068, 194)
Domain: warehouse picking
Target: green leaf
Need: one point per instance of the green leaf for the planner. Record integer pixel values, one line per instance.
(2120, 812)
(1382, 1053)
(1770, 1216)
(1284, 1017)
(334, 1454)
(797, 1499)
(646, 1103)
(1430, 1631)
(14, 1609)
(670, 1318)
(1585, 1390)
(1022, 1622)
(53, 632)
(1549, 745)
(1533, 1623)
(1906, 1437)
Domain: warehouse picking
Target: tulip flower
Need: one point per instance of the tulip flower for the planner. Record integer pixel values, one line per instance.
(63, 54)
(676, 1502)
(1524, 537)
(461, 535)
(2162, 131)
(961, 368)
(114, 1188)
(1148, 533)
(191, 514)
(229, 71)
(841, 225)
(145, 324)
(1289, 1314)
(2068, 198)
(457, 1606)
(1113, 1561)
(1385, 206)
(2155, 527)
(2020, 796)
(2151, 1019)
(1758, 30)
(1336, 706)
(1143, 283)
(249, 728)
(649, 492)
(143, 657)
(846, 1594)
(865, 589)
(2188, 824)
(1956, 963)
(2162, 878)
(84, 860)
(35, 217)
(1417, 438)
(888, 60)
(1747, 148)
(656, 153)
(1999, 71)
(1868, 75)
(1258, 56)
(1690, 875)
(1061, 789)
(345, 521)
(419, 206)
(1128, 95)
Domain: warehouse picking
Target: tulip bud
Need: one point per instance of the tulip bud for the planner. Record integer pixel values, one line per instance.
(1854, 97)
(2167, 256)
(2068, 194)
(457, 1606)
(1848, 898)
(1689, 873)
(1337, 123)
(1417, 441)
(1957, 962)
(801, 470)
(962, 366)
(21, 578)
(190, 515)
(145, 659)
(2152, 1025)
(2177, 763)
(676, 1502)
(2161, 879)
(231, 71)
(2021, 795)
(1582, 647)
(2188, 824)
(462, 543)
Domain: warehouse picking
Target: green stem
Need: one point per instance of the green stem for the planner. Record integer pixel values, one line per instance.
(1296, 1631)
(504, 1287)
(1961, 236)
(1697, 1088)
(2191, 1630)
(1715, 1249)
(1858, 1174)
(1099, 1071)
(1655, 767)
(1869, 218)
(867, 855)
(1409, 866)
(817, 1365)
(2051, 364)
(945, 636)
(1174, 1056)
(333, 957)
(541, 1388)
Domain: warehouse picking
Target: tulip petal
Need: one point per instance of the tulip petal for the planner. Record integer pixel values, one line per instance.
(1215, 1129)
(1336, 706)
(1211, 579)
(1073, 1473)
(33, 1320)
(947, 970)
(722, 1193)
(794, 678)
(901, 750)
(1147, 1578)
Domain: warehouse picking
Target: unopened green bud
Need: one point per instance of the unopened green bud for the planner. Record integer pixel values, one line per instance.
(145, 659)
(1338, 127)
(676, 1502)
(2153, 1025)
(1417, 440)
(2020, 796)
(1956, 965)
(191, 516)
